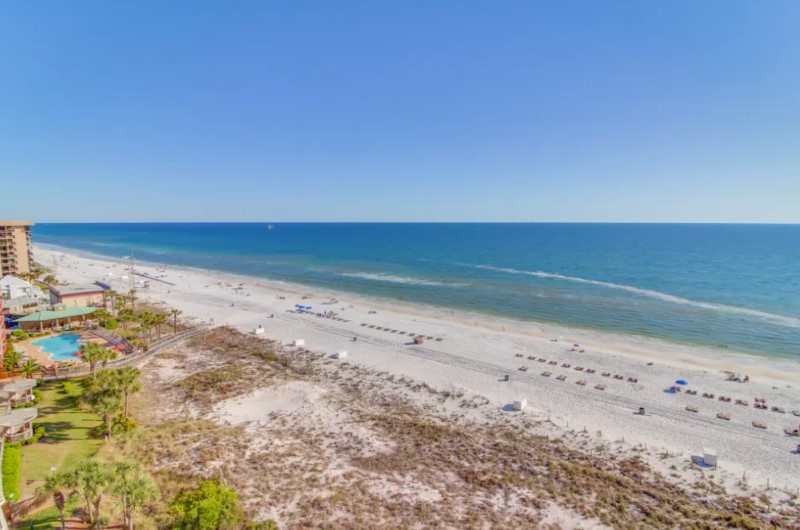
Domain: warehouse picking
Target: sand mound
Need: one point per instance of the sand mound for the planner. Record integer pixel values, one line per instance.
(259, 404)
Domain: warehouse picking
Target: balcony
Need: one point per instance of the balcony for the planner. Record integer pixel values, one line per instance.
(19, 436)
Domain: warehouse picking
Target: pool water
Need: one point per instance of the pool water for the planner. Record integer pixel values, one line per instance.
(60, 347)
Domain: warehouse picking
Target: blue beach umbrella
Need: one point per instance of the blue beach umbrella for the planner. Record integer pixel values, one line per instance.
(681, 382)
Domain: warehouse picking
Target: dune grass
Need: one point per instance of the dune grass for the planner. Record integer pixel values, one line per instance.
(68, 437)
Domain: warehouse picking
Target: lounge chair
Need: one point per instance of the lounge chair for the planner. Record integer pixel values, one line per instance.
(562, 377)
(582, 382)
(618, 377)
(553, 363)
(759, 425)
(542, 360)
(546, 374)
(741, 402)
(723, 416)
(590, 371)
(531, 358)
(600, 387)
(777, 409)
(796, 412)
(792, 432)
(606, 374)
(438, 339)
(363, 324)
(690, 408)
(579, 368)
(517, 355)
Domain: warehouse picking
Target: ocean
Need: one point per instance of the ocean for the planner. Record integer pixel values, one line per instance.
(725, 286)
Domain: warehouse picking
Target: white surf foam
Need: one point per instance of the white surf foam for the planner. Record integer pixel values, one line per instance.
(772, 317)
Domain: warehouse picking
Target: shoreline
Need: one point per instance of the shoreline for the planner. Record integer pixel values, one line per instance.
(574, 389)
(637, 347)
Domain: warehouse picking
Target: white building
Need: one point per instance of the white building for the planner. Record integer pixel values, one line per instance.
(20, 297)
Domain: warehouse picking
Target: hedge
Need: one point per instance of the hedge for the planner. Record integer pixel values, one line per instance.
(12, 462)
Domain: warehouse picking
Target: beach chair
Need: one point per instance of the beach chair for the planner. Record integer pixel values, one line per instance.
(741, 402)
(439, 339)
(581, 382)
(590, 371)
(553, 363)
(606, 374)
(723, 416)
(546, 374)
(778, 409)
(600, 387)
(517, 355)
(562, 377)
(542, 360)
(759, 425)
(690, 408)
(531, 358)
(579, 368)
(791, 432)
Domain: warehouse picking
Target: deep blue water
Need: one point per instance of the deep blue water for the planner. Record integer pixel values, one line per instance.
(736, 286)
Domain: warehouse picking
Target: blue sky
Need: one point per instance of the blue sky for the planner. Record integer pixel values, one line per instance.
(400, 111)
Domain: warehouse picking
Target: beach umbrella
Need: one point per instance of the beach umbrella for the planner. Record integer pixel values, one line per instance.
(308, 308)
(681, 382)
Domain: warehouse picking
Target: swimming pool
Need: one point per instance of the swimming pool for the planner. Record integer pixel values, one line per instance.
(60, 347)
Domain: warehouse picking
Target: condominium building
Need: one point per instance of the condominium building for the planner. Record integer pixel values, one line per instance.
(16, 253)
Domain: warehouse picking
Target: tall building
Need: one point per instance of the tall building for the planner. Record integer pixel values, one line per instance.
(16, 253)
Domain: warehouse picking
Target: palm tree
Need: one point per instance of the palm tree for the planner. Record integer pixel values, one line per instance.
(134, 488)
(112, 296)
(53, 484)
(132, 297)
(50, 279)
(107, 405)
(125, 315)
(93, 353)
(128, 382)
(11, 359)
(90, 480)
(175, 313)
(159, 319)
(30, 367)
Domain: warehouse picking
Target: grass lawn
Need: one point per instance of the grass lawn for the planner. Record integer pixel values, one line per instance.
(67, 439)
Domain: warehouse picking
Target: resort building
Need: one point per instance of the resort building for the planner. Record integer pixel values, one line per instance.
(17, 425)
(16, 254)
(60, 315)
(17, 391)
(21, 297)
(77, 295)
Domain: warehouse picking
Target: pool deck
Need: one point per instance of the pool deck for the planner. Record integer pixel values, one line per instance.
(36, 353)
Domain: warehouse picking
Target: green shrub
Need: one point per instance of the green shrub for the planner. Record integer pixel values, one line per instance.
(37, 396)
(68, 387)
(122, 424)
(110, 324)
(19, 334)
(12, 461)
(38, 433)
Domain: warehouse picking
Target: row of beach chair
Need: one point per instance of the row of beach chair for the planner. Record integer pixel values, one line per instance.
(399, 332)
(576, 368)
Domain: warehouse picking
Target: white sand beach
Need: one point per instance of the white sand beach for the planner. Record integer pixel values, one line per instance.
(476, 352)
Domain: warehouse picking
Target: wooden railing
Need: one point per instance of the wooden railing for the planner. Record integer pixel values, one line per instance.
(128, 360)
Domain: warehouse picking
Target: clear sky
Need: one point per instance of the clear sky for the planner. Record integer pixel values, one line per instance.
(400, 111)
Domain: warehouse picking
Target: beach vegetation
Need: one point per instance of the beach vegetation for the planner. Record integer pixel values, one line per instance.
(12, 358)
(209, 506)
(29, 368)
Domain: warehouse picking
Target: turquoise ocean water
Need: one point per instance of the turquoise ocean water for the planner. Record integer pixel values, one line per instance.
(730, 286)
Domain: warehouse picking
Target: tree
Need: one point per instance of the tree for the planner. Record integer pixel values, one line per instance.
(159, 319)
(128, 383)
(125, 315)
(209, 506)
(134, 489)
(11, 359)
(50, 279)
(132, 298)
(93, 353)
(90, 479)
(175, 313)
(107, 405)
(30, 367)
(53, 484)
